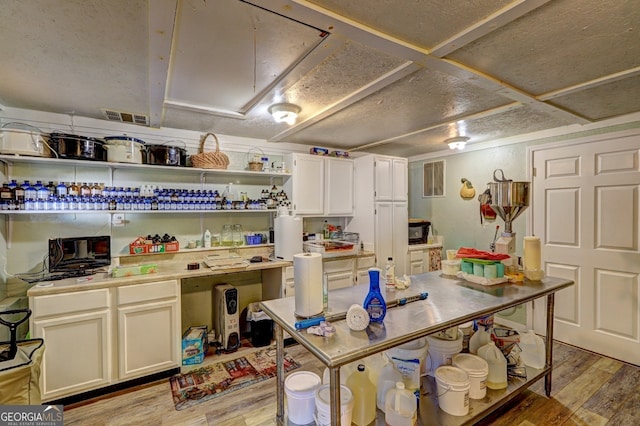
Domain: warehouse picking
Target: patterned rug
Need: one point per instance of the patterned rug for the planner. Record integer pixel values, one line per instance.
(214, 380)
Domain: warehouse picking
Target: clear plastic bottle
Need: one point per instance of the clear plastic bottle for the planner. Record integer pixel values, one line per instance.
(401, 407)
(374, 303)
(364, 397)
(533, 350)
(478, 339)
(389, 376)
(390, 272)
(497, 378)
(206, 239)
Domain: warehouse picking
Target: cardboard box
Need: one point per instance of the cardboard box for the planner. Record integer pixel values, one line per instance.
(129, 271)
(194, 345)
(154, 248)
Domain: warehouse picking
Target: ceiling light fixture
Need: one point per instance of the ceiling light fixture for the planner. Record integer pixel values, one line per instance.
(459, 142)
(285, 113)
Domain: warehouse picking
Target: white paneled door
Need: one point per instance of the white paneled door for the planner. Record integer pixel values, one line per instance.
(586, 210)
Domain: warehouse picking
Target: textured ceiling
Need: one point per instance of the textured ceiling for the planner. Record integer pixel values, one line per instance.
(393, 77)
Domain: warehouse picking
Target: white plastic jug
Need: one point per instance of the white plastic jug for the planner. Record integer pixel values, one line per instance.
(533, 350)
(387, 379)
(479, 339)
(400, 407)
(497, 378)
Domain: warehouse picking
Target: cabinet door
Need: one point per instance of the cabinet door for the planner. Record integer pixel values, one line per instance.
(384, 233)
(383, 179)
(339, 187)
(308, 184)
(148, 338)
(400, 236)
(340, 280)
(400, 179)
(78, 353)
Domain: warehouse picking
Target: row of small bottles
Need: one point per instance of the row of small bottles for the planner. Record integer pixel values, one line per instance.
(94, 196)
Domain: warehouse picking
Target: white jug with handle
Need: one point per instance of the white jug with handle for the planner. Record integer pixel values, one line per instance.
(497, 378)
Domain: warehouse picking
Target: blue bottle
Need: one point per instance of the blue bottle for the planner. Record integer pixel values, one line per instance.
(374, 302)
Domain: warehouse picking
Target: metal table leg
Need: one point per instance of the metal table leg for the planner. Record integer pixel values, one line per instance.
(280, 374)
(549, 349)
(334, 390)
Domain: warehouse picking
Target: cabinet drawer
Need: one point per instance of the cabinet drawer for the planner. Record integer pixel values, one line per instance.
(289, 288)
(331, 266)
(288, 273)
(335, 281)
(146, 292)
(366, 262)
(416, 255)
(57, 304)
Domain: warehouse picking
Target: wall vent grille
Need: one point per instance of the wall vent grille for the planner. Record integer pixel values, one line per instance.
(126, 117)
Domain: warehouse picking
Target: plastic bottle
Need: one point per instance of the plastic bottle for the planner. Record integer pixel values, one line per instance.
(389, 376)
(533, 349)
(479, 339)
(374, 303)
(364, 397)
(497, 378)
(390, 272)
(325, 231)
(401, 407)
(207, 239)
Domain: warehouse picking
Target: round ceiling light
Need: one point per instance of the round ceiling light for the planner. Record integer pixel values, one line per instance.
(458, 142)
(284, 113)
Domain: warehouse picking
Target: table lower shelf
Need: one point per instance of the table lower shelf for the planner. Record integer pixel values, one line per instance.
(431, 414)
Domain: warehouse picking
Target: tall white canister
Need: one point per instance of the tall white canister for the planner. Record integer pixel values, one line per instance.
(288, 235)
(307, 281)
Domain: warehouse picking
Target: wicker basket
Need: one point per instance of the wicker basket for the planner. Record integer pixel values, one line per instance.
(210, 160)
(253, 164)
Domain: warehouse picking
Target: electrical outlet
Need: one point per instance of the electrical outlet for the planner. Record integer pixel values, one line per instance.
(117, 219)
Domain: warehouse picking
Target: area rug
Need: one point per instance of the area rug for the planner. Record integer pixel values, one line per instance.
(214, 380)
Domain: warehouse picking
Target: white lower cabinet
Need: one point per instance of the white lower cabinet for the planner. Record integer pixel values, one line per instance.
(76, 328)
(424, 258)
(362, 268)
(83, 331)
(288, 283)
(339, 273)
(148, 328)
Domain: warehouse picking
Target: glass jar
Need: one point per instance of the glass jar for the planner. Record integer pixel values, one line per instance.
(226, 236)
(238, 237)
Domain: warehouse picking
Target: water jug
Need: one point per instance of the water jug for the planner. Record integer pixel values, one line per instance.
(533, 350)
(389, 376)
(497, 378)
(364, 397)
(400, 407)
(478, 339)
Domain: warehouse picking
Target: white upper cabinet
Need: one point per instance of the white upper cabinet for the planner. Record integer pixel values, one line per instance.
(338, 187)
(391, 179)
(321, 186)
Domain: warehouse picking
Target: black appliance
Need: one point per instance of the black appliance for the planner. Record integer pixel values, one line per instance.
(79, 254)
(418, 231)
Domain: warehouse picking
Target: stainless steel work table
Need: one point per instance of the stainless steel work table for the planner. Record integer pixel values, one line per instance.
(451, 302)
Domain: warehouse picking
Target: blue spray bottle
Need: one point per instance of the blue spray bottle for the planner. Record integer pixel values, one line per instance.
(374, 302)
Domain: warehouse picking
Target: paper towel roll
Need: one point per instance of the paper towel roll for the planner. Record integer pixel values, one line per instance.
(532, 254)
(307, 281)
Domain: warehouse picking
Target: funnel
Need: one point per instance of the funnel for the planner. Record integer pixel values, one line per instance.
(508, 199)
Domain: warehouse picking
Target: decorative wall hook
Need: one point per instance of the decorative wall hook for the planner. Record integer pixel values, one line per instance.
(467, 191)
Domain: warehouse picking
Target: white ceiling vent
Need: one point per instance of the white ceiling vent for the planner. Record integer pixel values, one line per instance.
(126, 117)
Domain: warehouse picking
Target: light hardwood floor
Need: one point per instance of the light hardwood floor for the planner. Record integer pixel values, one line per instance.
(588, 389)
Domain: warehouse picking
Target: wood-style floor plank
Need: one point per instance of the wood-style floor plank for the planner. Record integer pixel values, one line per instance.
(588, 390)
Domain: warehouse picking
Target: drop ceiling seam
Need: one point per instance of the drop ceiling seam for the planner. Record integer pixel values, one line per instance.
(481, 114)
(485, 26)
(632, 72)
(353, 97)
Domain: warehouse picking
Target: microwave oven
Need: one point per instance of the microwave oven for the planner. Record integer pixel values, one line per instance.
(418, 231)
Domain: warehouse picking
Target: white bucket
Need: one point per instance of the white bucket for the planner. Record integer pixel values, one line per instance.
(477, 369)
(403, 354)
(300, 388)
(323, 405)
(453, 390)
(441, 351)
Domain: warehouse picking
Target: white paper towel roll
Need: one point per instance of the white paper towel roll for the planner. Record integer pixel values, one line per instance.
(307, 281)
(532, 254)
